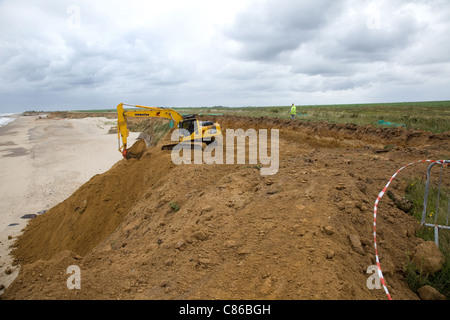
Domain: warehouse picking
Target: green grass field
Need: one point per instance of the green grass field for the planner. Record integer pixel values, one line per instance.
(433, 116)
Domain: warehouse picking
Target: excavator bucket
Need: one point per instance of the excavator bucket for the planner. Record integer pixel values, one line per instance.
(137, 149)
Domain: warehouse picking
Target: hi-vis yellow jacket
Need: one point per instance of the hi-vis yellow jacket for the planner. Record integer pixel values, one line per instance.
(293, 110)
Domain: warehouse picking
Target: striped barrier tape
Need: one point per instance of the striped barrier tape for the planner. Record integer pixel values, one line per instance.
(380, 195)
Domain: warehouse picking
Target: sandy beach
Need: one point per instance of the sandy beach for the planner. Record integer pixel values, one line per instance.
(43, 162)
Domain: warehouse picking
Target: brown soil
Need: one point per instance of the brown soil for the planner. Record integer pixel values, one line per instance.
(150, 229)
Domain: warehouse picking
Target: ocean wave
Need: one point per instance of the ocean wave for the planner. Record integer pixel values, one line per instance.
(6, 118)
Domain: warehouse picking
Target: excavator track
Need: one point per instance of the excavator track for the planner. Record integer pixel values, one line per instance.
(168, 146)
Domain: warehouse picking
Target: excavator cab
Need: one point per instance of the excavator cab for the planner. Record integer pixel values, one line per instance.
(190, 125)
(199, 131)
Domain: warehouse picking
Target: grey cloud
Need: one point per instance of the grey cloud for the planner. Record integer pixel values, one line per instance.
(77, 61)
(335, 39)
(27, 62)
(311, 60)
(348, 54)
(274, 27)
(271, 52)
(358, 43)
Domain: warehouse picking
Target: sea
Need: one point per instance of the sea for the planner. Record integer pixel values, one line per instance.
(6, 118)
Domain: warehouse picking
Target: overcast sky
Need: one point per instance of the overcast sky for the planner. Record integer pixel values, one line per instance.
(62, 55)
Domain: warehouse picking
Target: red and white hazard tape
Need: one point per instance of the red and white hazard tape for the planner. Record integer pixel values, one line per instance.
(380, 195)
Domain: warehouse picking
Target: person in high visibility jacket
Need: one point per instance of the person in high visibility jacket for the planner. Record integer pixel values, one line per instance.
(293, 111)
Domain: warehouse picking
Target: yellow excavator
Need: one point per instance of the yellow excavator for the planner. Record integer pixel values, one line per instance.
(194, 130)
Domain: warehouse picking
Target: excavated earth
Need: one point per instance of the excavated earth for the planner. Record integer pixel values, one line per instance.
(151, 229)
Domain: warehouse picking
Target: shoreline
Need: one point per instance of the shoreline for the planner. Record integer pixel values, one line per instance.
(43, 162)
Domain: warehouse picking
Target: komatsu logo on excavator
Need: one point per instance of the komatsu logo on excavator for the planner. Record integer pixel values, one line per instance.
(142, 114)
(181, 153)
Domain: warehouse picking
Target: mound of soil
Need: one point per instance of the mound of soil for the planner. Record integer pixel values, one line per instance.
(137, 149)
(150, 229)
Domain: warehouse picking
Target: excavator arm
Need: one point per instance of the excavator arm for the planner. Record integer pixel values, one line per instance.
(122, 115)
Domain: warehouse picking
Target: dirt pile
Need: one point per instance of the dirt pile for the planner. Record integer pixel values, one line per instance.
(150, 229)
(336, 134)
(137, 149)
(90, 214)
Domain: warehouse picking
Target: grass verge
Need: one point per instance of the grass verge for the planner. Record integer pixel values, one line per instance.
(156, 128)
(436, 213)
